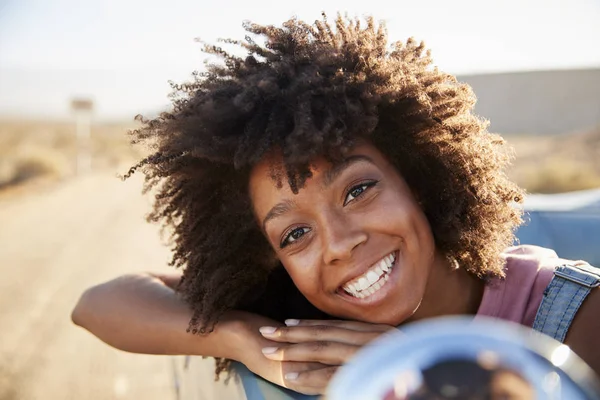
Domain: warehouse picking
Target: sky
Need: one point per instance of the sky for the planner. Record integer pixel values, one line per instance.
(122, 53)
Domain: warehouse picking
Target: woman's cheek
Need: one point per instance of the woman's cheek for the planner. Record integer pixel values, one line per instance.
(305, 275)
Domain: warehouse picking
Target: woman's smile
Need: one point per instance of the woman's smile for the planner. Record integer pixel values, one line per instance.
(373, 285)
(371, 280)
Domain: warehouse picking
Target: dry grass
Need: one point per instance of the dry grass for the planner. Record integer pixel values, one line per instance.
(32, 150)
(553, 164)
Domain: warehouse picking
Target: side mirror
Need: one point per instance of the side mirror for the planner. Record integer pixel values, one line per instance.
(464, 358)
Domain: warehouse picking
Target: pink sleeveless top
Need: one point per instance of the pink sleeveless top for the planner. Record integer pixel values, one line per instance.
(516, 298)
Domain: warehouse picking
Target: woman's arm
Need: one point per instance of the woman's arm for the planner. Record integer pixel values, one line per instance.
(583, 333)
(141, 313)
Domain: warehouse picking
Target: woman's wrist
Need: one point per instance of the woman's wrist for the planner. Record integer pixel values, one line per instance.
(228, 340)
(240, 336)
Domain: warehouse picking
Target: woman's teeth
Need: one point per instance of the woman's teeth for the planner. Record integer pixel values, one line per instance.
(372, 280)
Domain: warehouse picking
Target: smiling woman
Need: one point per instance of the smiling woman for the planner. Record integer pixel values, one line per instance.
(327, 175)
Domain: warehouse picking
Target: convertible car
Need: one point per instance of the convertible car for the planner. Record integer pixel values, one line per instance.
(569, 223)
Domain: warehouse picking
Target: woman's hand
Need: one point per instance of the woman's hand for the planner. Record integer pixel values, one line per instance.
(320, 347)
(248, 346)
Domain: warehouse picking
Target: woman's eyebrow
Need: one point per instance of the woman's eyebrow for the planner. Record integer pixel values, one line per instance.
(331, 175)
(278, 210)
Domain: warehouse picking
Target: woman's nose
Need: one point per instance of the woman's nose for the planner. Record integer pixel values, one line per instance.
(340, 236)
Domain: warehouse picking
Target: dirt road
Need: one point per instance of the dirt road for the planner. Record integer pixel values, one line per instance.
(54, 242)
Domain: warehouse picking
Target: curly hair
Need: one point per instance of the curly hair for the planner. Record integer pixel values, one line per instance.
(313, 90)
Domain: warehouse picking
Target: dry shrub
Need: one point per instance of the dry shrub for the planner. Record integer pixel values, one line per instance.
(556, 175)
(10, 382)
(33, 163)
(32, 149)
(554, 164)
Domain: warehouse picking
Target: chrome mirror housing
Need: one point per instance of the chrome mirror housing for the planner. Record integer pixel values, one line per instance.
(464, 358)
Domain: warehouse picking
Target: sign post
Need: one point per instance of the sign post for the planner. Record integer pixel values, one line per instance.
(82, 109)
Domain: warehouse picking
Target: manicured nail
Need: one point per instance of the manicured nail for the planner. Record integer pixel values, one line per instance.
(291, 376)
(267, 330)
(269, 350)
(292, 322)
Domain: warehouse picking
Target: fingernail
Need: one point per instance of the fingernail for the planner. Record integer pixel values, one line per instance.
(292, 322)
(269, 350)
(267, 330)
(291, 376)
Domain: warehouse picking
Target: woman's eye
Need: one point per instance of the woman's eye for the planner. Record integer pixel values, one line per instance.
(294, 235)
(357, 191)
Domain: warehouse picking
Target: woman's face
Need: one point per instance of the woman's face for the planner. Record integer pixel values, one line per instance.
(354, 239)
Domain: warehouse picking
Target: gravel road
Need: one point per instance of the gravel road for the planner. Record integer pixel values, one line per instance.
(55, 241)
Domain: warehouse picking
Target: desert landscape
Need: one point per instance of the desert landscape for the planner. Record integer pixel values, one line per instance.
(46, 151)
(61, 232)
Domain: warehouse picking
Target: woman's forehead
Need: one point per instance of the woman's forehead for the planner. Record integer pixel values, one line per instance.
(271, 169)
(269, 185)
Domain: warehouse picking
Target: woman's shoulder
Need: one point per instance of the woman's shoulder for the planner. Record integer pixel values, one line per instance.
(530, 263)
(529, 270)
(529, 252)
(539, 264)
(516, 297)
(535, 257)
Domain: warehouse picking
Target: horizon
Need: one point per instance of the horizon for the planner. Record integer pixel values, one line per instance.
(126, 116)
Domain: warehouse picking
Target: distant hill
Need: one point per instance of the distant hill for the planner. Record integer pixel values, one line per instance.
(538, 102)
